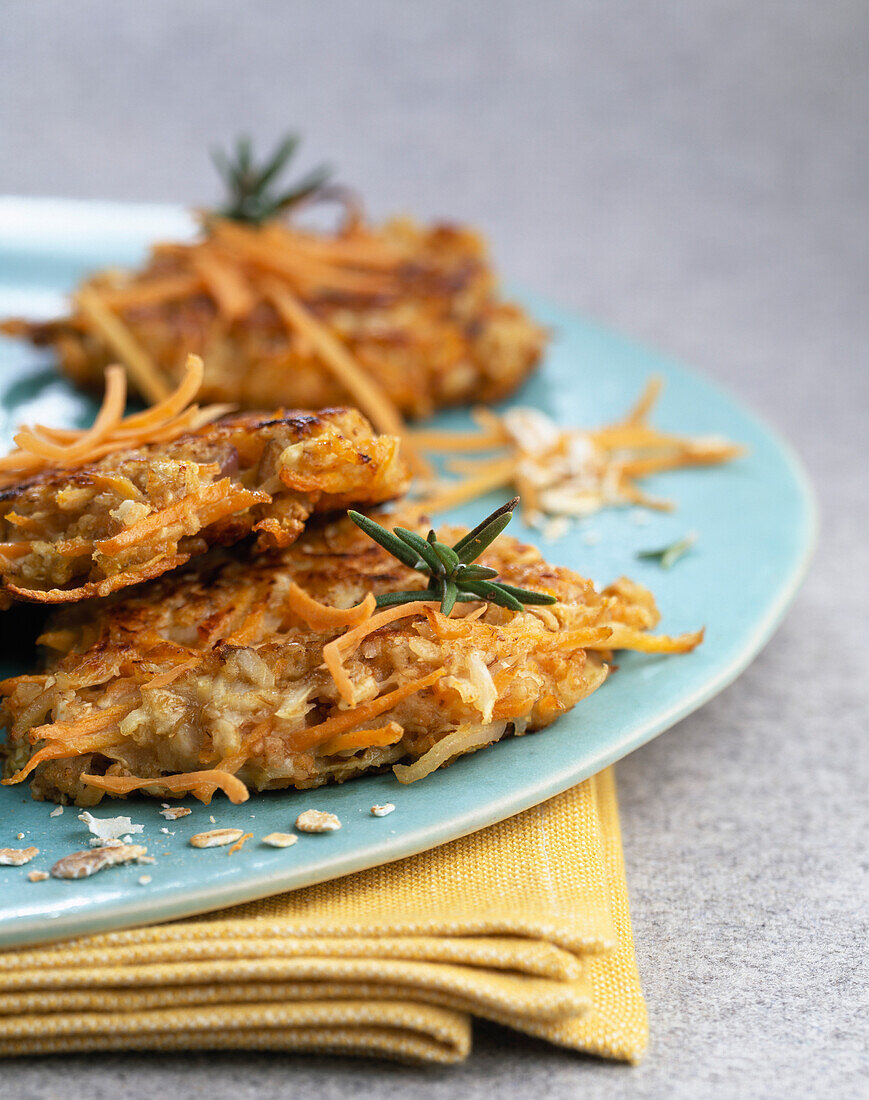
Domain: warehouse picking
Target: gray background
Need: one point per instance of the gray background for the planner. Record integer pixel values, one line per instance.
(695, 175)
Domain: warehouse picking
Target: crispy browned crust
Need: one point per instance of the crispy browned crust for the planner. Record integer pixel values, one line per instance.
(254, 680)
(444, 337)
(137, 514)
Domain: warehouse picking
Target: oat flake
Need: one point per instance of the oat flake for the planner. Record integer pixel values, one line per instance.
(16, 857)
(280, 840)
(216, 838)
(317, 821)
(86, 863)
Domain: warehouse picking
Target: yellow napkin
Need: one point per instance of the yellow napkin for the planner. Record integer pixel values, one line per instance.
(525, 923)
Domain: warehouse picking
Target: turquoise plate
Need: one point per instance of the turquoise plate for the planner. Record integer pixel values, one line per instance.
(755, 519)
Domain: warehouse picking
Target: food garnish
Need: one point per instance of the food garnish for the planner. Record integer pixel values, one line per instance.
(41, 448)
(252, 196)
(565, 472)
(453, 578)
(667, 556)
(240, 843)
(382, 811)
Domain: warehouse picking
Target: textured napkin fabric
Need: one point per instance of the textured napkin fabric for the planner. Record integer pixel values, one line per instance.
(525, 923)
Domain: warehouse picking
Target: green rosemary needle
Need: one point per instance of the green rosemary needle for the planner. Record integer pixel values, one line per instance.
(252, 197)
(667, 556)
(452, 576)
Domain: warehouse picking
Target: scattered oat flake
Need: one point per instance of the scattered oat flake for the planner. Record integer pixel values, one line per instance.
(212, 819)
(144, 880)
(172, 813)
(38, 876)
(317, 821)
(16, 857)
(107, 829)
(20, 836)
(56, 812)
(240, 843)
(280, 840)
(88, 862)
(216, 838)
(382, 811)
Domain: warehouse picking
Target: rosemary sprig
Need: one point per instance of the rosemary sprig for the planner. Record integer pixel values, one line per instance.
(667, 556)
(252, 198)
(452, 576)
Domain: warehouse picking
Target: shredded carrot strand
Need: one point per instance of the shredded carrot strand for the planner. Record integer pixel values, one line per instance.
(41, 449)
(305, 271)
(207, 506)
(224, 282)
(59, 750)
(640, 412)
(450, 442)
(240, 843)
(358, 250)
(688, 456)
(150, 292)
(10, 683)
(195, 782)
(249, 630)
(78, 727)
(334, 651)
(173, 403)
(112, 329)
(450, 496)
(163, 679)
(368, 394)
(346, 719)
(389, 734)
(12, 550)
(320, 616)
(107, 419)
(626, 637)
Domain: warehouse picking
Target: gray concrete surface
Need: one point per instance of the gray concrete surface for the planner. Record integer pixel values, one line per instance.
(694, 174)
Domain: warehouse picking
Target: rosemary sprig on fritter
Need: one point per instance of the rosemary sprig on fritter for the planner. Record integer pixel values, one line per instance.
(453, 578)
(252, 197)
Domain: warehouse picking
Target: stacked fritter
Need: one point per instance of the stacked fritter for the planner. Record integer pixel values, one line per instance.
(271, 671)
(285, 317)
(133, 515)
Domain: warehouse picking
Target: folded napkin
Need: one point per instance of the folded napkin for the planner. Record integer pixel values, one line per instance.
(525, 923)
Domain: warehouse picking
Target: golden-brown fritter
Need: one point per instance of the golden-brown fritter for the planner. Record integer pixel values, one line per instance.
(416, 307)
(238, 671)
(133, 515)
